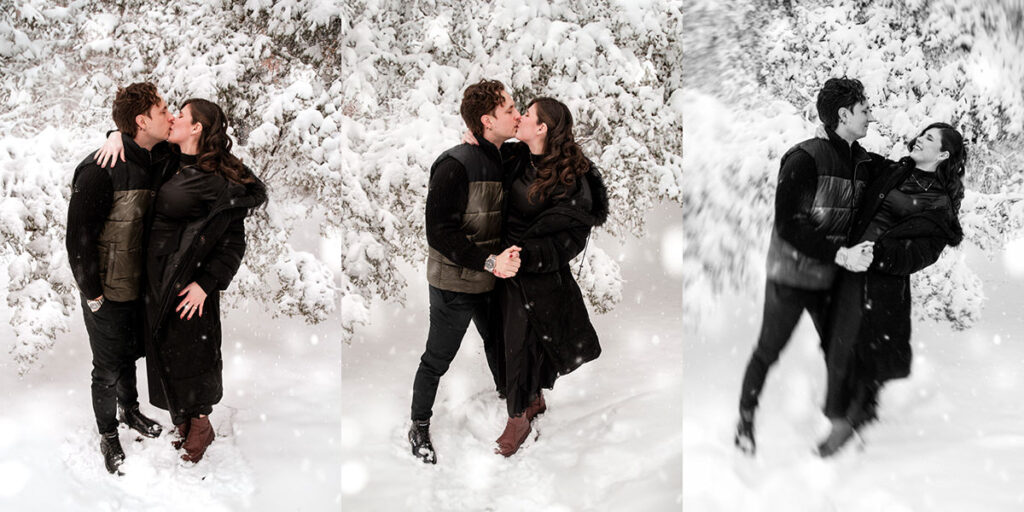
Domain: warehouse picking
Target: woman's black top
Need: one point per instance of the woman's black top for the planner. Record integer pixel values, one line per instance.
(521, 211)
(919, 192)
(185, 197)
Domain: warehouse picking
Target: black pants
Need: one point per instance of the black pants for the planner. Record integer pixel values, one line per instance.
(783, 306)
(113, 339)
(844, 370)
(450, 313)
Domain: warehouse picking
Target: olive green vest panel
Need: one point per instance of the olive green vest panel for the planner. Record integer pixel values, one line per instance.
(120, 245)
(483, 214)
(481, 222)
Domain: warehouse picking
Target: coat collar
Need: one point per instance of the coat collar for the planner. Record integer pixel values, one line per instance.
(142, 156)
(489, 149)
(854, 151)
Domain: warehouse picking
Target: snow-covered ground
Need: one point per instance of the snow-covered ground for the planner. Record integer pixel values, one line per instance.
(610, 439)
(950, 437)
(277, 445)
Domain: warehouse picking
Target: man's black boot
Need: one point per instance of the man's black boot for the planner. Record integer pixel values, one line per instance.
(113, 455)
(419, 438)
(744, 439)
(138, 422)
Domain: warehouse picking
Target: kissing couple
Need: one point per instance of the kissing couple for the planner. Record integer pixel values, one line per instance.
(155, 230)
(503, 221)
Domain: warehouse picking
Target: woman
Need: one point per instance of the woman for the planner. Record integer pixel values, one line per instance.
(911, 215)
(196, 244)
(554, 197)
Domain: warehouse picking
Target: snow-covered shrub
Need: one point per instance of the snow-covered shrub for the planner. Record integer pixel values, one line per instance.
(272, 66)
(615, 64)
(751, 73)
(600, 279)
(949, 292)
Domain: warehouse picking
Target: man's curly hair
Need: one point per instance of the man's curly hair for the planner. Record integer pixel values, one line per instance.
(131, 101)
(479, 99)
(838, 93)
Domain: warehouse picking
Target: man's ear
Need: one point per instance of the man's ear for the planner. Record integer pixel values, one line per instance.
(486, 123)
(842, 116)
(140, 122)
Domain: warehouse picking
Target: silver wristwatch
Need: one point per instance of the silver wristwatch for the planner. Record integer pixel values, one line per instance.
(489, 264)
(95, 305)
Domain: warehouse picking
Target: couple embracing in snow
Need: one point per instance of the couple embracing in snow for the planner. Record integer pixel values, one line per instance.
(850, 228)
(152, 239)
(503, 221)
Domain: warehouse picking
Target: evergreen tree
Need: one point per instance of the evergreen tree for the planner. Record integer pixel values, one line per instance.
(272, 66)
(615, 65)
(751, 77)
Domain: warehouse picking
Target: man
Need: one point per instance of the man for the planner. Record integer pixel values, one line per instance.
(818, 195)
(105, 231)
(464, 215)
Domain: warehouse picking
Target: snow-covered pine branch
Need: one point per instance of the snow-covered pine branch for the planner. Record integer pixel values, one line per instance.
(616, 65)
(750, 94)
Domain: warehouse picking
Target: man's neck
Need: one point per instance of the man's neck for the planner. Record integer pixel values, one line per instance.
(144, 141)
(846, 135)
(497, 140)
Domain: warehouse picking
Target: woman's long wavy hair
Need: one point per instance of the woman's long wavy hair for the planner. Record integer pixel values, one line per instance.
(215, 143)
(562, 162)
(950, 172)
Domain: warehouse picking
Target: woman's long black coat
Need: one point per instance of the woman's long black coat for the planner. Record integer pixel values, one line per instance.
(883, 341)
(550, 294)
(184, 357)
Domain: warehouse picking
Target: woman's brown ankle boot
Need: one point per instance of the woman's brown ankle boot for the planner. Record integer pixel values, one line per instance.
(180, 434)
(200, 435)
(515, 433)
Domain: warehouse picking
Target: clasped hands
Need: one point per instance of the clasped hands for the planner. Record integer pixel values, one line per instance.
(857, 258)
(507, 263)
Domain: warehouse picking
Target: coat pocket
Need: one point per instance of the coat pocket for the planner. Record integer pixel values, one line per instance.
(474, 276)
(123, 266)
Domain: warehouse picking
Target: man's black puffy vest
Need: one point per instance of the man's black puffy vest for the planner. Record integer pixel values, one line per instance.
(481, 221)
(837, 198)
